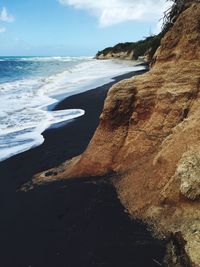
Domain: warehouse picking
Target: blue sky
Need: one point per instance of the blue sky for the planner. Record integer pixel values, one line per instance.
(74, 27)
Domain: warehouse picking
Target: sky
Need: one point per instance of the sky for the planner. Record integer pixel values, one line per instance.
(74, 27)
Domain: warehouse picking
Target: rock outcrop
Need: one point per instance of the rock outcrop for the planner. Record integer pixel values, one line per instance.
(125, 55)
(120, 51)
(188, 173)
(144, 49)
(149, 136)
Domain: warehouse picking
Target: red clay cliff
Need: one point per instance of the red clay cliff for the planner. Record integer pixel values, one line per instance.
(149, 136)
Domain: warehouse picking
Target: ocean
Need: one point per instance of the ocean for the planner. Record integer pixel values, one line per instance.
(31, 86)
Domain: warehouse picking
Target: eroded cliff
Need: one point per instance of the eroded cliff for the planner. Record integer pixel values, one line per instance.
(149, 136)
(120, 51)
(132, 50)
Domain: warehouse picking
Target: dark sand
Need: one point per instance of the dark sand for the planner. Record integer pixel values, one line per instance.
(77, 223)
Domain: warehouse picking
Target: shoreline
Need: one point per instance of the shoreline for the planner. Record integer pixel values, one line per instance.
(68, 103)
(77, 223)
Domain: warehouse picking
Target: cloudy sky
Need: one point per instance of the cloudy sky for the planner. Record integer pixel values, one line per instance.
(74, 27)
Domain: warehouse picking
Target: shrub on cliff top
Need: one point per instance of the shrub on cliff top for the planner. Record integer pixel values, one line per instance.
(148, 45)
(171, 15)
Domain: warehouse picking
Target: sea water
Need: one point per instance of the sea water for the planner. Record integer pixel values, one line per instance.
(30, 85)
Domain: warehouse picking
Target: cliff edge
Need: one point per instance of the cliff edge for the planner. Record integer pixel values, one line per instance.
(132, 50)
(149, 137)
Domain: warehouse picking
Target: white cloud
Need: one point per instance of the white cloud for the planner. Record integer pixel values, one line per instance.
(2, 29)
(5, 17)
(111, 12)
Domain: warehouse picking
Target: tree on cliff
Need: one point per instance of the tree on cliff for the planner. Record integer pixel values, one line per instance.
(171, 15)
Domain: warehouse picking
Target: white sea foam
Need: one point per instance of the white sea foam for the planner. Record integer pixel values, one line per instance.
(86, 76)
(20, 139)
(58, 58)
(24, 113)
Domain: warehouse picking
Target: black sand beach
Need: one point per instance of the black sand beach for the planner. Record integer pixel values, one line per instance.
(74, 223)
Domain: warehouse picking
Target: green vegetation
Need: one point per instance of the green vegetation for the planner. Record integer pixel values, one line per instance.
(148, 45)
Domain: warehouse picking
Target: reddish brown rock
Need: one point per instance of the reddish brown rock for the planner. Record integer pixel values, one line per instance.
(149, 129)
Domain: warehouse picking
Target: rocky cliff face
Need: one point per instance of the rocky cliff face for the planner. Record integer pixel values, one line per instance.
(149, 136)
(119, 51)
(144, 48)
(126, 55)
